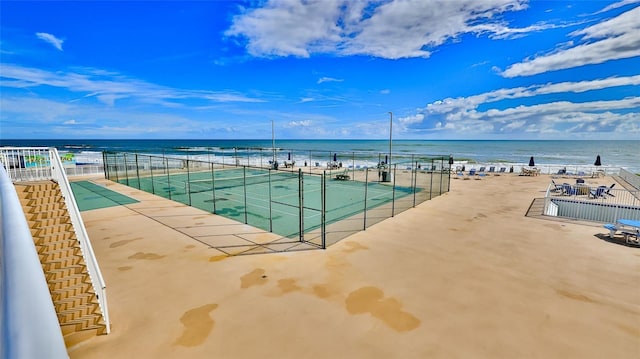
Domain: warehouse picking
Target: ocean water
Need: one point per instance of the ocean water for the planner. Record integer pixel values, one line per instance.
(549, 153)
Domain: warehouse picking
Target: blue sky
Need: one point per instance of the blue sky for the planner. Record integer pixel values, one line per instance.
(458, 69)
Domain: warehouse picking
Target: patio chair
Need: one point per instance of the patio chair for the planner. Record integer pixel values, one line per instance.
(598, 192)
(568, 190)
(612, 229)
(342, 176)
(556, 187)
(492, 169)
(609, 189)
(629, 235)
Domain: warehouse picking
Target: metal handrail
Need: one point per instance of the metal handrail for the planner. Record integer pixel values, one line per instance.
(99, 286)
(29, 326)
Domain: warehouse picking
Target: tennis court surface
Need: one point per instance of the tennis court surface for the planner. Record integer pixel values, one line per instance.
(92, 196)
(317, 208)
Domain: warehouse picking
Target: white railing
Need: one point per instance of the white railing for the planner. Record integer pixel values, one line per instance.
(59, 175)
(26, 164)
(84, 170)
(589, 204)
(29, 326)
(545, 169)
(32, 164)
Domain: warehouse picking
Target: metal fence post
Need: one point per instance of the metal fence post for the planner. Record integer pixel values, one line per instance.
(213, 187)
(393, 191)
(431, 181)
(115, 166)
(166, 167)
(323, 209)
(105, 164)
(414, 173)
(126, 169)
(366, 187)
(301, 200)
(270, 204)
(244, 187)
(188, 184)
(153, 186)
(441, 175)
(137, 170)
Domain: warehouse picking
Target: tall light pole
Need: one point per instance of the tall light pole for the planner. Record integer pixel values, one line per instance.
(273, 143)
(390, 135)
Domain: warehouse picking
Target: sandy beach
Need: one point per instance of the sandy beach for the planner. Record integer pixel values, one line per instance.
(465, 275)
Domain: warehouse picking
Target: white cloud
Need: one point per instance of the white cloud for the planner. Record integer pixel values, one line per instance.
(287, 27)
(618, 5)
(328, 79)
(386, 29)
(464, 115)
(411, 119)
(302, 123)
(54, 41)
(612, 39)
(385, 92)
(109, 87)
(41, 118)
(471, 102)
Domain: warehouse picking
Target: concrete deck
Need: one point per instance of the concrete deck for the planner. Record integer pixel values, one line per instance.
(465, 275)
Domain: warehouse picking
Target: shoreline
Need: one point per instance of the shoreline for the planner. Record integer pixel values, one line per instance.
(507, 152)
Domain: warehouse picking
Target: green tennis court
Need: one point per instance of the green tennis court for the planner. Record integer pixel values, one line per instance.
(310, 206)
(286, 203)
(92, 196)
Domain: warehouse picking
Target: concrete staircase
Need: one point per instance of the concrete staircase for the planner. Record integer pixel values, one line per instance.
(536, 209)
(62, 261)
